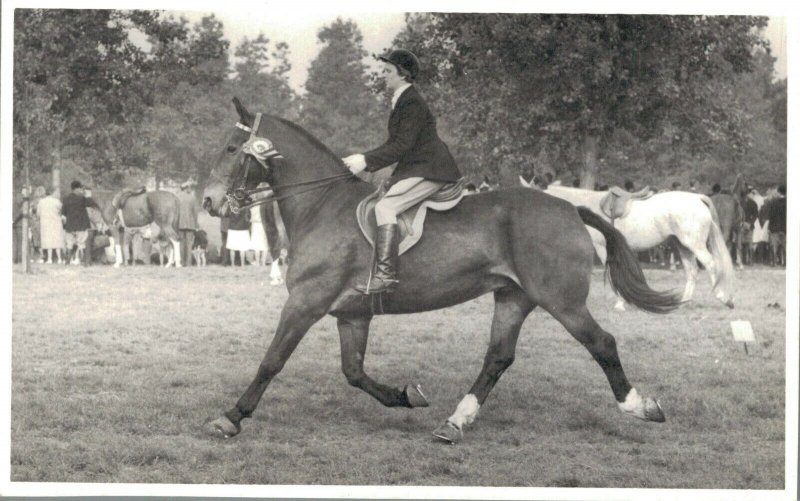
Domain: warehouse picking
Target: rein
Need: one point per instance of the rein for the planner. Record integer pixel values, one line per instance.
(240, 195)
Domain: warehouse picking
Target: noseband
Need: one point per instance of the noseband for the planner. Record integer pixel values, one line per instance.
(262, 149)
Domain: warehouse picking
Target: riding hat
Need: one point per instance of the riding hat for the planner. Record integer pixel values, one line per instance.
(403, 59)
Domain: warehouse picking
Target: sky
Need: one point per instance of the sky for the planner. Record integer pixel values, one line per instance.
(299, 29)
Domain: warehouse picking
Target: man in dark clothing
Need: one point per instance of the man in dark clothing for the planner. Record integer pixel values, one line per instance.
(424, 163)
(77, 221)
(776, 213)
(224, 224)
(188, 208)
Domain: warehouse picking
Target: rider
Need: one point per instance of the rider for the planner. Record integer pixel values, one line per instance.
(424, 163)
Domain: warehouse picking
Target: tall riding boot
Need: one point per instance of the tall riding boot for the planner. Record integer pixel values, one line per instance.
(385, 276)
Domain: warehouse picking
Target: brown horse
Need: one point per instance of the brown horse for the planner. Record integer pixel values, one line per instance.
(527, 248)
(160, 207)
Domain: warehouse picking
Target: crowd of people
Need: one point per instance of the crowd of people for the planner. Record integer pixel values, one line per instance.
(72, 230)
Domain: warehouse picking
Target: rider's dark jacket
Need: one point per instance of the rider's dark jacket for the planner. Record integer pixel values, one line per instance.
(413, 143)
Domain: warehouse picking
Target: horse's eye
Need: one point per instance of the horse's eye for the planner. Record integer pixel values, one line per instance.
(231, 149)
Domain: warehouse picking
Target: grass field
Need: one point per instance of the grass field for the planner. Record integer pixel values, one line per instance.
(115, 373)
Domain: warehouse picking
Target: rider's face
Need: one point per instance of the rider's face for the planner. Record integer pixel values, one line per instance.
(392, 76)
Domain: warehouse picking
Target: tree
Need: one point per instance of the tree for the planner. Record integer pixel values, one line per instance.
(520, 85)
(339, 107)
(75, 87)
(261, 78)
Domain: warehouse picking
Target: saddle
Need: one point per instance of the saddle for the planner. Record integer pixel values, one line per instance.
(618, 201)
(410, 223)
(118, 202)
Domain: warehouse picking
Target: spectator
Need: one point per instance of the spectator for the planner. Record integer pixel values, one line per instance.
(777, 227)
(224, 224)
(238, 236)
(97, 227)
(51, 225)
(188, 209)
(693, 186)
(35, 227)
(470, 189)
(676, 186)
(629, 185)
(715, 189)
(576, 183)
(77, 222)
(258, 237)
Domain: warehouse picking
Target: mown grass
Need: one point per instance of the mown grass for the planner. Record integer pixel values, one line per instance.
(115, 373)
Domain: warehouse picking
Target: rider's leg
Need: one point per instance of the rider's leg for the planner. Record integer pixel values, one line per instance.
(403, 195)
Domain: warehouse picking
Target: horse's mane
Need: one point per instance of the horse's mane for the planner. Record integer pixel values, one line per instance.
(310, 138)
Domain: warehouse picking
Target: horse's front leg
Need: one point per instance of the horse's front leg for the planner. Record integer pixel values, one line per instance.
(298, 315)
(353, 334)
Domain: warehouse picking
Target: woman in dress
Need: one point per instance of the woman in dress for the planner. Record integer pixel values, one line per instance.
(51, 226)
(239, 236)
(258, 237)
(36, 226)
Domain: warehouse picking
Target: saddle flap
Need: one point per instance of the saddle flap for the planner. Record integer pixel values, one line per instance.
(411, 222)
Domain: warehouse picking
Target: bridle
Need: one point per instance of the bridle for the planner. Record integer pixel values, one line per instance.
(262, 150)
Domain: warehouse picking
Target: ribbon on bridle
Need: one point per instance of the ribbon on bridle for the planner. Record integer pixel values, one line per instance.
(262, 149)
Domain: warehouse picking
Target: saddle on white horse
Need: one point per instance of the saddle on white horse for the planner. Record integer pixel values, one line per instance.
(618, 201)
(411, 222)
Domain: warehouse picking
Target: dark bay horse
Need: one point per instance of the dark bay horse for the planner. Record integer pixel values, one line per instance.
(160, 207)
(527, 248)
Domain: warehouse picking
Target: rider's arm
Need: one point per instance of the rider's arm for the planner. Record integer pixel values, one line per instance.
(410, 121)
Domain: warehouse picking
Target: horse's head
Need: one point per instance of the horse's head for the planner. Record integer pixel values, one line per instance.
(248, 154)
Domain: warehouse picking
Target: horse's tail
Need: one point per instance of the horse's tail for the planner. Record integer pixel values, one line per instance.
(622, 266)
(723, 264)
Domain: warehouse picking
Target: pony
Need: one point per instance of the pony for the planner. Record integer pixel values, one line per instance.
(494, 242)
(689, 217)
(160, 207)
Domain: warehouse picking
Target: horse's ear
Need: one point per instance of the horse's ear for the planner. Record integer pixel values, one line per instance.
(244, 116)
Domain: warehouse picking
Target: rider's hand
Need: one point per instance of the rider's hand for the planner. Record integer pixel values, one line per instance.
(356, 163)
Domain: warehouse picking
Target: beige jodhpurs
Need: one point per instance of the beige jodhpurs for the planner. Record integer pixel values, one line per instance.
(402, 196)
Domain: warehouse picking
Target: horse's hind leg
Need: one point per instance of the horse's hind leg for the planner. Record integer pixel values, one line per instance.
(353, 333)
(603, 348)
(175, 240)
(511, 307)
(690, 268)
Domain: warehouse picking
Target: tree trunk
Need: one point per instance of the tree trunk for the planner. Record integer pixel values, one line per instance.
(57, 181)
(591, 145)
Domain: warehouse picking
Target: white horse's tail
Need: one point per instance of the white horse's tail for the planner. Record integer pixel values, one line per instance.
(719, 251)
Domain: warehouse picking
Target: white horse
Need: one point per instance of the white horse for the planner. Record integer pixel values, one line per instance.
(689, 217)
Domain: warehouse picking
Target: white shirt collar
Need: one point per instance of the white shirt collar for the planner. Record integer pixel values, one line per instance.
(398, 92)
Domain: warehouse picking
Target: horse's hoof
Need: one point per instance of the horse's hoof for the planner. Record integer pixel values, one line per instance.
(224, 428)
(652, 411)
(415, 396)
(448, 432)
